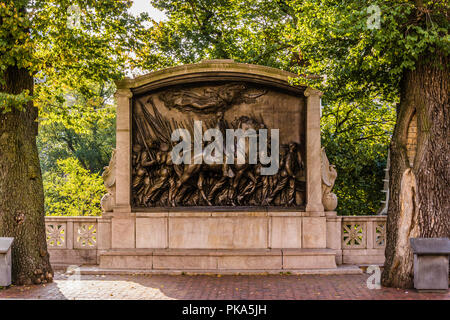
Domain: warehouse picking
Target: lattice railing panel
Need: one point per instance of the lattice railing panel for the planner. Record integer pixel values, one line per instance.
(380, 235)
(56, 234)
(86, 235)
(354, 235)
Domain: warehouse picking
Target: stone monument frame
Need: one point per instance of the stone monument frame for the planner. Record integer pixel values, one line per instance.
(277, 239)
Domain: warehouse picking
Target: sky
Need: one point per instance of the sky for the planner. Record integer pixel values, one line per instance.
(144, 6)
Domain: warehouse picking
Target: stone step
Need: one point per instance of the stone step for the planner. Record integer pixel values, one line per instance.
(207, 259)
(97, 270)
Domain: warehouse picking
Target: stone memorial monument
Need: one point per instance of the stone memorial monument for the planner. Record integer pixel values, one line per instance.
(218, 166)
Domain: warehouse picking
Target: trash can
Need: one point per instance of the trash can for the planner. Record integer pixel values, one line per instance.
(5, 261)
(431, 263)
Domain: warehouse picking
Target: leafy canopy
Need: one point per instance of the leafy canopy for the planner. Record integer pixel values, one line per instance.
(246, 31)
(66, 40)
(74, 50)
(362, 50)
(360, 64)
(72, 190)
(355, 137)
(363, 47)
(76, 124)
(298, 36)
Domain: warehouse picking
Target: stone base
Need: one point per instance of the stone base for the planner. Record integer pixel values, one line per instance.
(431, 272)
(363, 256)
(96, 270)
(218, 260)
(221, 240)
(432, 291)
(72, 257)
(179, 229)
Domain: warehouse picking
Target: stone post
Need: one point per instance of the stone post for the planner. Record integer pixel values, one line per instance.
(104, 233)
(334, 234)
(123, 151)
(123, 221)
(313, 153)
(69, 235)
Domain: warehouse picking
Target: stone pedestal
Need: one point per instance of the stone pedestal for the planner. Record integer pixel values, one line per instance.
(175, 239)
(431, 272)
(220, 260)
(431, 263)
(5, 261)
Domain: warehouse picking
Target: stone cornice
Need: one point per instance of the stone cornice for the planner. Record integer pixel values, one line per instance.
(123, 92)
(211, 70)
(312, 92)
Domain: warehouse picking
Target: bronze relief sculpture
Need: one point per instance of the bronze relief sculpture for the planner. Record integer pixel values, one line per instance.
(211, 99)
(158, 181)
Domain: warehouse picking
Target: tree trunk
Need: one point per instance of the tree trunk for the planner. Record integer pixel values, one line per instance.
(21, 189)
(419, 204)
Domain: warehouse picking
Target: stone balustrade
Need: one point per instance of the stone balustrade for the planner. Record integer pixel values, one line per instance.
(71, 240)
(363, 239)
(76, 240)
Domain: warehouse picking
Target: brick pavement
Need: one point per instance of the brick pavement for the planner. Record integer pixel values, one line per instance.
(202, 287)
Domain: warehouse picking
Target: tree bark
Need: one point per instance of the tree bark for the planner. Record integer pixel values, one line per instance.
(419, 204)
(21, 189)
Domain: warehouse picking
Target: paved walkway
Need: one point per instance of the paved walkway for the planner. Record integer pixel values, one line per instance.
(211, 287)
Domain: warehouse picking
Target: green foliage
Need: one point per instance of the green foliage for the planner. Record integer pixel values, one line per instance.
(356, 138)
(10, 101)
(74, 50)
(71, 190)
(16, 45)
(361, 61)
(98, 48)
(246, 31)
(79, 124)
(356, 128)
(360, 68)
(76, 137)
(38, 36)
